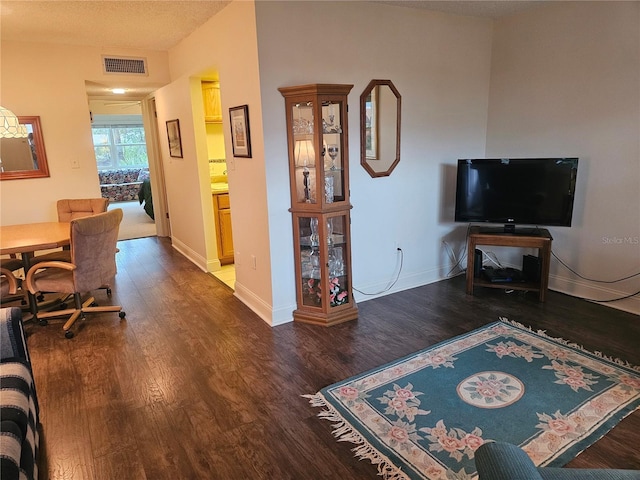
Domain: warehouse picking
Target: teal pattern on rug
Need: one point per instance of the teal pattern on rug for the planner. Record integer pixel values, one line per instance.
(423, 416)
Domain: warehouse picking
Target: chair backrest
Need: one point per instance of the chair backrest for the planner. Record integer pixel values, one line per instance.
(72, 208)
(93, 249)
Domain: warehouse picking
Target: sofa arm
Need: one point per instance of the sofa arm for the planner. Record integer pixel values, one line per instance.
(19, 411)
(504, 461)
(12, 339)
(19, 426)
(587, 474)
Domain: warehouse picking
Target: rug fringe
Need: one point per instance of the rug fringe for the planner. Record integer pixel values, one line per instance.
(345, 433)
(543, 333)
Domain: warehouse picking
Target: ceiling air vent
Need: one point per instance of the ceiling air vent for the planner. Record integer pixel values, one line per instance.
(128, 65)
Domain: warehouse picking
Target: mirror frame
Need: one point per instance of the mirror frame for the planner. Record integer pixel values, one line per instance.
(38, 139)
(363, 150)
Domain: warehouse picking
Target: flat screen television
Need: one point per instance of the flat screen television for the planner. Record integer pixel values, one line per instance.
(524, 191)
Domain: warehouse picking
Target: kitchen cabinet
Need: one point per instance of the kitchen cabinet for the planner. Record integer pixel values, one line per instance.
(224, 236)
(212, 104)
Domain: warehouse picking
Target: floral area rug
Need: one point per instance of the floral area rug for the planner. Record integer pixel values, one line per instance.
(423, 416)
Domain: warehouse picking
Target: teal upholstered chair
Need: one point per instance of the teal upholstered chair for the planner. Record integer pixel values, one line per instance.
(504, 461)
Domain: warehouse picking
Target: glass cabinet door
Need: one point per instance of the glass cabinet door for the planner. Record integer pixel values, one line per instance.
(337, 258)
(323, 260)
(319, 165)
(332, 148)
(310, 261)
(304, 151)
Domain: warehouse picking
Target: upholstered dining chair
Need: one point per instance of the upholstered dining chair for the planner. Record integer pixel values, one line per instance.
(92, 266)
(11, 288)
(8, 283)
(11, 265)
(71, 209)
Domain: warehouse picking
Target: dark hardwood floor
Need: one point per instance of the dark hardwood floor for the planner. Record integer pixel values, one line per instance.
(193, 385)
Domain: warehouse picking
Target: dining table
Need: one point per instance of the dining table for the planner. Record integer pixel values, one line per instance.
(28, 238)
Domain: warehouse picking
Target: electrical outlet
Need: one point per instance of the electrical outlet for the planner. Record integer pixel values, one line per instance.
(397, 245)
(253, 262)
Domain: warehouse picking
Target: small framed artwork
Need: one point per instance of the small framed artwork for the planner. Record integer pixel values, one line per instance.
(173, 135)
(240, 136)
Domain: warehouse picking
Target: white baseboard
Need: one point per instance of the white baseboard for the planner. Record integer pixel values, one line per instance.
(195, 258)
(595, 292)
(272, 317)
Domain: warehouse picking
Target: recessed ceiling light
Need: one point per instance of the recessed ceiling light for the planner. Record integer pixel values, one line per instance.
(118, 91)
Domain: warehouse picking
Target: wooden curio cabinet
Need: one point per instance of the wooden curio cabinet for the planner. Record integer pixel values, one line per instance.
(317, 134)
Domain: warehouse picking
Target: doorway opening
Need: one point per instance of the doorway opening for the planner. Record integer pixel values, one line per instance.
(218, 178)
(123, 166)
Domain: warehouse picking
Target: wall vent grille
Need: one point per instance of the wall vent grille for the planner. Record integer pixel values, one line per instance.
(128, 65)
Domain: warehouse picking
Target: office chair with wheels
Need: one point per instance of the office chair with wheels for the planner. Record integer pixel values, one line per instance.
(8, 283)
(11, 265)
(72, 209)
(92, 266)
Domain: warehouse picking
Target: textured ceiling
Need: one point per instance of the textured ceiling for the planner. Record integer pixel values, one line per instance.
(158, 24)
(149, 25)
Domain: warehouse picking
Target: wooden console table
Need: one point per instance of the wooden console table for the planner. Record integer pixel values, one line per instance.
(539, 238)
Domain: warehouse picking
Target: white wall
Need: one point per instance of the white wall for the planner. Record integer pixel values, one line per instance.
(440, 65)
(186, 188)
(565, 81)
(581, 67)
(49, 81)
(226, 45)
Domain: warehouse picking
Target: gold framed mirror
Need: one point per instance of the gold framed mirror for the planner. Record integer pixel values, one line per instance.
(380, 106)
(24, 157)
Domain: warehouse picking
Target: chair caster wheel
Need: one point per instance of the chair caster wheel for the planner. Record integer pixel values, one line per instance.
(122, 314)
(43, 322)
(109, 291)
(68, 334)
(94, 304)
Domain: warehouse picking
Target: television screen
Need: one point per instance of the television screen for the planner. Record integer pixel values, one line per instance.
(526, 191)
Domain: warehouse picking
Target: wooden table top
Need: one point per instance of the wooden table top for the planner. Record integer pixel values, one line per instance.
(32, 237)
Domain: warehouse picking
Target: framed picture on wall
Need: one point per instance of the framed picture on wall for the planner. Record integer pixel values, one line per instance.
(240, 136)
(173, 135)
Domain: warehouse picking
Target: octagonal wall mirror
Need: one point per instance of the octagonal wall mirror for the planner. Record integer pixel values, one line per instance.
(24, 157)
(380, 128)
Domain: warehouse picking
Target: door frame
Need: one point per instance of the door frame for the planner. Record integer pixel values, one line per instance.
(156, 170)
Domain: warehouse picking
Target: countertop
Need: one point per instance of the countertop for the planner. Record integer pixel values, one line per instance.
(219, 184)
(219, 187)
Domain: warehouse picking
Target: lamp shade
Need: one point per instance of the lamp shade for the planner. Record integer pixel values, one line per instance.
(305, 154)
(10, 126)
